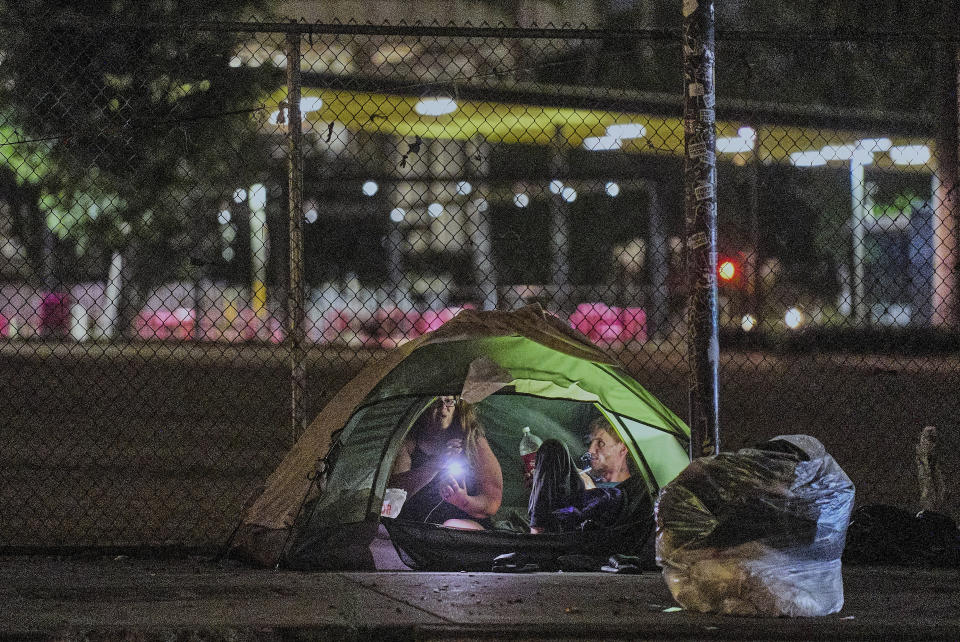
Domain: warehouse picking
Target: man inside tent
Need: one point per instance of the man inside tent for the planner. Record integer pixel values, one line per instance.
(564, 498)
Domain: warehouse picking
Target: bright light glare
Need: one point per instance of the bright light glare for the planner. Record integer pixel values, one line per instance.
(556, 186)
(227, 254)
(464, 187)
(370, 188)
(601, 143)
(397, 214)
(568, 194)
(521, 200)
(235, 62)
(240, 195)
(258, 197)
(223, 217)
(626, 130)
(311, 215)
(456, 469)
(807, 159)
(793, 318)
(435, 209)
(613, 189)
(910, 155)
(734, 145)
(482, 205)
(727, 270)
(436, 106)
(748, 322)
(747, 133)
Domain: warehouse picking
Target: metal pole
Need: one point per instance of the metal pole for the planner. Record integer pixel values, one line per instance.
(858, 232)
(658, 260)
(700, 223)
(560, 224)
(295, 294)
(754, 285)
(477, 153)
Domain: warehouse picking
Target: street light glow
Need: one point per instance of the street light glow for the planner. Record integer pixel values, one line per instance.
(311, 215)
(521, 200)
(464, 188)
(613, 189)
(556, 186)
(438, 106)
(223, 217)
(793, 318)
(370, 188)
(240, 195)
(435, 209)
(568, 194)
(734, 145)
(397, 214)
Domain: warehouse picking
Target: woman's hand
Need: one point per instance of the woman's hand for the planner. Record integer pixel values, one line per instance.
(455, 494)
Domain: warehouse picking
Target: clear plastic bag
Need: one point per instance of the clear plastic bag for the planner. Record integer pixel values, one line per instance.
(757, 532)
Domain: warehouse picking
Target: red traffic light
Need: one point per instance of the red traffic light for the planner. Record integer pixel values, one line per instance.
(726, 270)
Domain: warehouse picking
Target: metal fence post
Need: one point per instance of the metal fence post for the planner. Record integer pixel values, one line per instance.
(700, 223)
(295, 295)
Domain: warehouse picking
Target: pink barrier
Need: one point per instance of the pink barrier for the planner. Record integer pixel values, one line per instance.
(165, 324)
(606, 325)
(4, 326)
(55, 313)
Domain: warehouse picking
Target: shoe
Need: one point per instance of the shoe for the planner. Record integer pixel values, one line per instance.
(513, 563)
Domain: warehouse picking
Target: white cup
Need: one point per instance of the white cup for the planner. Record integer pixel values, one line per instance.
(393, 500)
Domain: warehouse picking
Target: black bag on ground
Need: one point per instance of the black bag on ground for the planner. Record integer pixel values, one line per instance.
(757, 532)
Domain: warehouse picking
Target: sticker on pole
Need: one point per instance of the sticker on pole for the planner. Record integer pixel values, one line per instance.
(689, 6)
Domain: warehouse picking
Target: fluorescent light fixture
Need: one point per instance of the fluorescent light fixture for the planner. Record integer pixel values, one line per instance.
(223, 217)
(837, 152)
(240, 195)
(811, 158)
(734, 145)
(311, 215)
(626, 130)
(875, 144)
(910, 154)
(568, 194)
(556, 186)
(521, 200)
(435, 209)
(310, 103)
(258, 197)
(436, 106)
(601, 143)
(613, 189)
(464, 187)
(397, 214)
(370, 188)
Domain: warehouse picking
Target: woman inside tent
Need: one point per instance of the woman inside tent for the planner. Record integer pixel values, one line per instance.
(448, 470)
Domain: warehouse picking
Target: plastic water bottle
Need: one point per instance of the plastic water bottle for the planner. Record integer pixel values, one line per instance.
(529, 443)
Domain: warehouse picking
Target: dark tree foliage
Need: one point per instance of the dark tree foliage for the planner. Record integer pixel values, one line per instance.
(144, 123)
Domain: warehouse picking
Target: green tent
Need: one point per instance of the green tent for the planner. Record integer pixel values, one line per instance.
(523, 368)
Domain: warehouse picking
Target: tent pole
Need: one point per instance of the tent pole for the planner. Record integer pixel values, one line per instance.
(700, 225)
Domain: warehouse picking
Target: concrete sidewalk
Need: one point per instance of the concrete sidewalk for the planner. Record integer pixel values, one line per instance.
(122, 598)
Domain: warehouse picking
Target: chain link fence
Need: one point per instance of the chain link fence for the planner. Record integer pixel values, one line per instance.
(148, 172)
